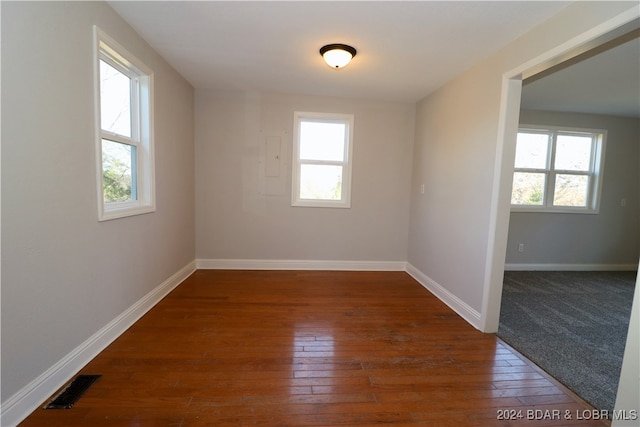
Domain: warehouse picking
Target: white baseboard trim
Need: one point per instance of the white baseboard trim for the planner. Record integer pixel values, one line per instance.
(570, 267)
(25, 401)
(273, 264)
(456, 304)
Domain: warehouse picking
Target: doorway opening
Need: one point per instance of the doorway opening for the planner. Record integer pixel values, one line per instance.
(581, 47)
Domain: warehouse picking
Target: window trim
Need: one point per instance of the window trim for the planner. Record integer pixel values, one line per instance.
(107, 49)
(598, 149)
(345, 201)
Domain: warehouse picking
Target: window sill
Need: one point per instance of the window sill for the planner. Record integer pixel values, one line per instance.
(321, 204)
(125, 210)
(528, 209)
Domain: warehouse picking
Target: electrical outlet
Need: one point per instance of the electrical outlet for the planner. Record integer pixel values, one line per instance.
(521, 247)
(623, 202)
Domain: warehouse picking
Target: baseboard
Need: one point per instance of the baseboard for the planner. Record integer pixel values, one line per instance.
(25, 401)
(456, 304)
(571, 267)
(268, 264)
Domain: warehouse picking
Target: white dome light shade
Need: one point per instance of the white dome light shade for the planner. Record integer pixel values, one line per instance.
(337, 55)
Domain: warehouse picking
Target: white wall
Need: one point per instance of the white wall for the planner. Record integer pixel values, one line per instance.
(236, 220)
(64, 274)
(609, 239)
(454, 153)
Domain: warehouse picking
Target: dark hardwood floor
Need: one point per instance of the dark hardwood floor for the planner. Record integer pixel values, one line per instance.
(304, 348)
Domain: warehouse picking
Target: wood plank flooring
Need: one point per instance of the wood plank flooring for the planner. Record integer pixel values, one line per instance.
(305, 348)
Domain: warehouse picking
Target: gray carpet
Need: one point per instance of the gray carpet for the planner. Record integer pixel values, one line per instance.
(571, 324)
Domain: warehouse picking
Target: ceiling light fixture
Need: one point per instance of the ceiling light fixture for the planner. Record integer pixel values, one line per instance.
(337, 55)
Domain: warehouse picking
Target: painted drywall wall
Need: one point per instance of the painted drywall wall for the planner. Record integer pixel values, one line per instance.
(457, 151)
(610, 238)
(242, 215)
(64, 274)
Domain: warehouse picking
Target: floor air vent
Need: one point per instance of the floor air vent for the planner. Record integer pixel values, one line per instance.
(72, 392)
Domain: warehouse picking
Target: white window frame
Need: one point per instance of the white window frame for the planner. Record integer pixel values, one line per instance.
(345, 201)
(110, 51)
(594, 173)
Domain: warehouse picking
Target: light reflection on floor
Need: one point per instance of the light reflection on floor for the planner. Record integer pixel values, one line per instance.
(313, 356)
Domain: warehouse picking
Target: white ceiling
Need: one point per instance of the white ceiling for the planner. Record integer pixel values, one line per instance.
(608, 83)
(406, 49)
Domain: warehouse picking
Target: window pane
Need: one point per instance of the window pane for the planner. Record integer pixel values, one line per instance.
(321, 182)
(573, 152)
(118, 171)
(115, 100)
(528, 188)
(531, 150)
(322, 141)
(571, 190)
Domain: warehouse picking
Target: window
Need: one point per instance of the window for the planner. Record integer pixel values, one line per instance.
(323, 144)
(558, 170)
(124, 131)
